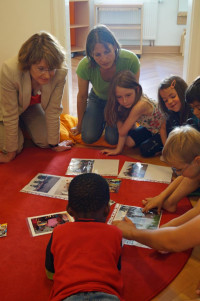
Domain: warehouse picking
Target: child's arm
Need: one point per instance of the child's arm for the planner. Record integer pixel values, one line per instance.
(173, 239)
(141, 108)
(117, 150)
(163, 132)
(160, 199)
(169, 198)
(180, 220)
(120, 144)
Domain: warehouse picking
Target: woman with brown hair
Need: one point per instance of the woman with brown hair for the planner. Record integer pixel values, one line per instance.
(104, 59)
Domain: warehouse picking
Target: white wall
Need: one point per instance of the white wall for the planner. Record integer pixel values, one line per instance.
(18, 21)
(191, 67)
(22, 18)
(168, 32)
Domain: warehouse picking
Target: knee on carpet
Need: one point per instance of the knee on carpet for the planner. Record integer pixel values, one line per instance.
(89, 139)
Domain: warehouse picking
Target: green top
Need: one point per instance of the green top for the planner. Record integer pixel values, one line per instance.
(126, 60)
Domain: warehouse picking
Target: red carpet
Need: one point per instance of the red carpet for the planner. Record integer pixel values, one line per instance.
(23, 278)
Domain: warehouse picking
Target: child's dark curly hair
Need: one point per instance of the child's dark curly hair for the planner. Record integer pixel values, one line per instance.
(88, 193)
(193, 91)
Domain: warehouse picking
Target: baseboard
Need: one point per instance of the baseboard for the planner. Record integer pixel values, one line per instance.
(161, 49)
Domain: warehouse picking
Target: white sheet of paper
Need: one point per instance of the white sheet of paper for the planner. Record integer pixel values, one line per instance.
(146, 172)
(48, 185)
(104, 167)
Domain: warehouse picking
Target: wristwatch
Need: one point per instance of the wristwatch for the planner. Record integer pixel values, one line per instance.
(53, 145)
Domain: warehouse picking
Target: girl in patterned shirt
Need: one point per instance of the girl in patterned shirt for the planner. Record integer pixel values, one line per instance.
(126, 106)
(172, 103)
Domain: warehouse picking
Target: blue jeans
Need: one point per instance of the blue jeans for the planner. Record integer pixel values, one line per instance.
(90, 296)
(148, 143)
(93, 123)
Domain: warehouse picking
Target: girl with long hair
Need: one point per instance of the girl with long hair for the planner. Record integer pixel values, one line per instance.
(127, 106)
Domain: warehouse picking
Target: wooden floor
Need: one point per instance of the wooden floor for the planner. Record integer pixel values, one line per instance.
(154, 68)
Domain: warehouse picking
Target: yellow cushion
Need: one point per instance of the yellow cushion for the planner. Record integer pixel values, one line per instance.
(67, 122)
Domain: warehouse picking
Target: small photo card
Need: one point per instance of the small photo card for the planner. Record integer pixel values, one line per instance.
(114, 184)
(146, 172)
(44, 224)
(3, 229)
(49, 185)
(104, 167)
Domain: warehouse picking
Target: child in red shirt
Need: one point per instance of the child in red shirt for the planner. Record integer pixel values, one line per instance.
(84, 256)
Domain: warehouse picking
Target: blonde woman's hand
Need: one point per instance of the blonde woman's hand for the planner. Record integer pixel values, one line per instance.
(63, 146)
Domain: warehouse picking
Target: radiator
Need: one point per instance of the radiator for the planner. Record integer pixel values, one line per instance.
(116, 16)
(120, 15)
(150, 18)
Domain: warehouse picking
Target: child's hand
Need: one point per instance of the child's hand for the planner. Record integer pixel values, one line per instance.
(126, 226)
(150, 203)
(110, 152)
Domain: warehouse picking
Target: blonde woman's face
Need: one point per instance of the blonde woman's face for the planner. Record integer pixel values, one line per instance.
(171, 99)
(40, 72)
(125, 97)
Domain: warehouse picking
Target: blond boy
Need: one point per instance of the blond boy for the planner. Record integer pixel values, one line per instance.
(183, 141)
(182, 152)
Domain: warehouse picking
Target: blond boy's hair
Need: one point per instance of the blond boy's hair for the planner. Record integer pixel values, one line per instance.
(183, 144)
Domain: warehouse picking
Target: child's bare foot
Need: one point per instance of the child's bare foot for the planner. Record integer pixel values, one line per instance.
(150, 203)
(157, 202)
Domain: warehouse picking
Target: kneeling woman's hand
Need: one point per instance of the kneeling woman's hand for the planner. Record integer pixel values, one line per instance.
(75, 130)
(63, 146)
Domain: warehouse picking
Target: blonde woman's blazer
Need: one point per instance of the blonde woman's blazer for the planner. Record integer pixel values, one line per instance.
(15, 96)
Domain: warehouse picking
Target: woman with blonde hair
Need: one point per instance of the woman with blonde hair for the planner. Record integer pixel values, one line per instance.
(32, 87)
